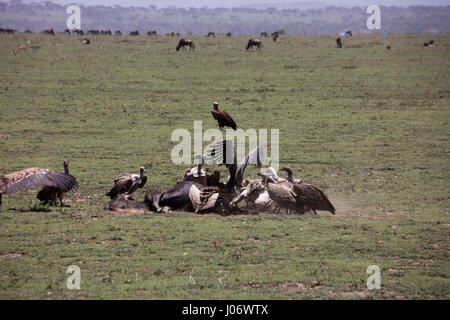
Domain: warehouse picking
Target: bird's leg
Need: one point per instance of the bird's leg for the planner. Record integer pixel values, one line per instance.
(315, 212)
(0, 201)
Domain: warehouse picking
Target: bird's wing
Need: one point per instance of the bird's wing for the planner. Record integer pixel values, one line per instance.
(229, 120)
(254, 157)
(222, 153)
(313, 197)
(28, 178)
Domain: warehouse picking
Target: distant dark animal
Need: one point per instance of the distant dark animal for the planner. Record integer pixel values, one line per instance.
(67, 31)
(428, 43)
(349, 33)
(228, 34)
(78, 32)
(254, 43)
(211, 34)
(275, 36)
(134, 33)
(118, 33)
(86, 41)
(264, 34)
(49, 194)
(152, 33)
(28, 31)
(106, 32)
(389, 48)
(128, 183)
(339, 42)
(185, 42)
(49, 31)
(93, 32)
(25, 179)
(222, 117)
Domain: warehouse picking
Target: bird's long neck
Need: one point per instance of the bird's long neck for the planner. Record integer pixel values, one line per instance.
(141, 173)
(66, 168)
(290, 178)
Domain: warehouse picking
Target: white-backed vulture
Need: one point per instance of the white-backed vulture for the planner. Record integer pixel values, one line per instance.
(51, 193)
(222, 117)
(22, 180)
(255, 194)
(128, 183)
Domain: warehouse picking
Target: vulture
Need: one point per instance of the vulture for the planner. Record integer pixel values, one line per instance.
(213, 179)
(50, 193)
(128, 183)
(224, 153)
(307, 195)
(22, 180)
(197, 173)
(281, 191)
(222, 117)
(255, 194)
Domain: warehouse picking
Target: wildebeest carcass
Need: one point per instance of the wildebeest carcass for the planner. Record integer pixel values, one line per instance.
(339, 42)
(176, 198)
(185, 42)
(126, 202)
(49, 32)
(254, 43)
(134, 33)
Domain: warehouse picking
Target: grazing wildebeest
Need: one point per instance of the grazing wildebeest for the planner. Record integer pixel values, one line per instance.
(78, 32)
(211, 34)
(67, 31)
(254, 42)
(349, 33)
(152, 33)
(93, 32)
(106, 32)
(264, 34)
(185, 42)
(134, 33)
(118, 33)
(275, 36)
(228, 34)
(339, 42)
(49, 31)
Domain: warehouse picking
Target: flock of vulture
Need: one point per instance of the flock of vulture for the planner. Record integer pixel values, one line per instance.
(197, 191)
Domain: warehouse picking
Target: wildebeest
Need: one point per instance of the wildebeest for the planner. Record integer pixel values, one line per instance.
(275, 36)
(211, 34)
(118, 33)
(67, 31)
(78, 32)
(49, 31)
(93, 32)
(228, 34)
(106, 32)
(254, 42)
(7, 31)
(339, 42)
(349, 33)
(152, 33)
(264, 34)
(134, 33)
(185, 42)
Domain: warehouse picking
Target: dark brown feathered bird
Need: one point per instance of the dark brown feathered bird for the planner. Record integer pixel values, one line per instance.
(51, 193)
(307, 195)
(222, 117)
(25, 179)
(128, 183)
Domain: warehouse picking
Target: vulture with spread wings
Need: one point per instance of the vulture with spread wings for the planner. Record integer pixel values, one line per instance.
(222, 117)
(25, 179)
(224, 153)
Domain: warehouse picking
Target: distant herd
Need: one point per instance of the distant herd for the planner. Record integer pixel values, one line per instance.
(184, 42)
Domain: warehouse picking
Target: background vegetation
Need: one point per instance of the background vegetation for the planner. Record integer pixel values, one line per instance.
(330, 20)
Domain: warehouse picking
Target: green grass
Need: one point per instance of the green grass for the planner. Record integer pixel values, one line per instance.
(367, 125)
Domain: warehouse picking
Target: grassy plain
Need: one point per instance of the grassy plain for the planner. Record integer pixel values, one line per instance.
(367, 125)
